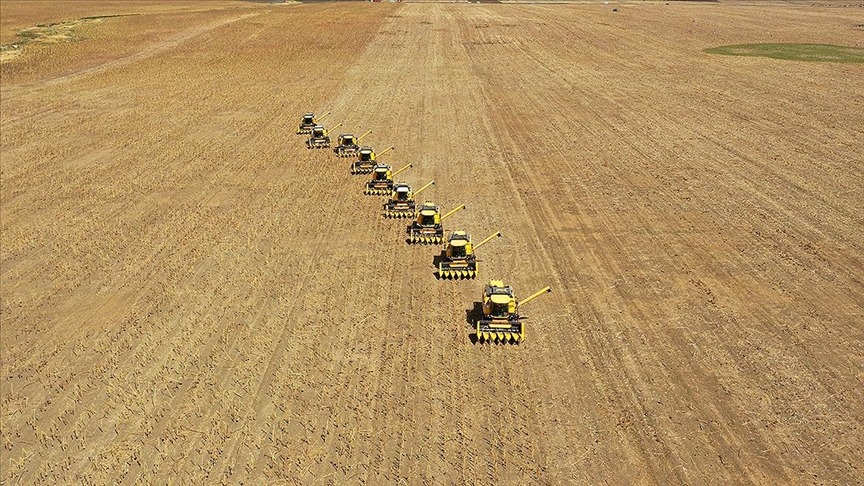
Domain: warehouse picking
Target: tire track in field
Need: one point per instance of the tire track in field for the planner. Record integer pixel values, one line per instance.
(634, 177)
(422, 134)
(627, 381)
(726, 314)
(172, 436)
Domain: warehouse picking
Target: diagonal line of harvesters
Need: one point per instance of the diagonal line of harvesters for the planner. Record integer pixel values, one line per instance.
(496, 318)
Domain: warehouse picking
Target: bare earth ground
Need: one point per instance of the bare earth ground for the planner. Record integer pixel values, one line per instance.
(189, 295)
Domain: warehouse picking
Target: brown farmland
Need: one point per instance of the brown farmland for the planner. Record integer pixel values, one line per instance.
(190, 295)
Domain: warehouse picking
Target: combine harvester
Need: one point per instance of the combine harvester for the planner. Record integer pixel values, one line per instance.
(401, 203)
(349, 145)
(320, 137)
(427, 228)
(501, 321)
(458, 259)
(382, 180)
(308, 122)
(365, 162)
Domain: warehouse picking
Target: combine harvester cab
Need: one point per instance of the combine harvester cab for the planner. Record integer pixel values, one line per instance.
(401, 203)
(319, 137)
(501, 321)
(382, 180)
(458, 259)
(349, 145)
(427, 228)
(308, 121)
(365, 162)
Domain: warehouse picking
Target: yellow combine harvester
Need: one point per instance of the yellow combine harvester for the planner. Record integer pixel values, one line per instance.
(427, 228)
(365, 162)
(308, 121)
(401, 203)
(382, 180)
(320, 137)
(501, 321)
(349, 145)
(458, 259)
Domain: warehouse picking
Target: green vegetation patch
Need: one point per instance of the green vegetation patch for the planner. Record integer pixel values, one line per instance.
(794, 52)
(48, 34)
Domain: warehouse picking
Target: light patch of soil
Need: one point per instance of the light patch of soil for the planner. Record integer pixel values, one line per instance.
(41, 35)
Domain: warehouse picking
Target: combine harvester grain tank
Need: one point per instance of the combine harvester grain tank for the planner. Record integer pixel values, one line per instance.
(427, 228)
(320, 137)
(348, 145)
(366, 160)
(308, 121)
(458, 259)
(401, 203)
(501, 320)
(382, 180)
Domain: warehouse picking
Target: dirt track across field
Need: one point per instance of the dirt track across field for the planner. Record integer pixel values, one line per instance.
(190, 295)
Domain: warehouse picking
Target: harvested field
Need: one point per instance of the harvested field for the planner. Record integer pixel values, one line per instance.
(190, 295)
